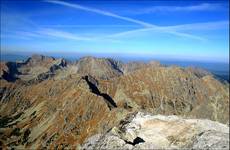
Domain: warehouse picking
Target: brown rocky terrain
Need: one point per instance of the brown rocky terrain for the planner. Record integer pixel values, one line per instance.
(53, 104)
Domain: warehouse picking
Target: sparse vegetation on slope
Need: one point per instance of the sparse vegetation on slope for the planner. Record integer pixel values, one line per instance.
(93, 95)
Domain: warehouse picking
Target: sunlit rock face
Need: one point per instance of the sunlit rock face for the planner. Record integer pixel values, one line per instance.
(170, 90)
(146, 131)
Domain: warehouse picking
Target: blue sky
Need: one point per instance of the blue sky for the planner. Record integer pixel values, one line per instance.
(191, 30)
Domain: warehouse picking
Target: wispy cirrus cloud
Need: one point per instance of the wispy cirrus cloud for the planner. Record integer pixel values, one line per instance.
(162, 30)
(146, 25)
(27, 34)
(215, 25)
(92, 26)
(192, 8)
(19, 34)
(62, 34)
(200, 26)
(14, 36)
(184, 27)
(98, 11)
(70, 36)
(50, 33)
(43, 32)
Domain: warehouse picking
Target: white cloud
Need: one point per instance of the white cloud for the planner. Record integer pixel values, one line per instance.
(201, 26)
(192, 8)
(106, 13)
(62, 34)
(148, 30)
(201, 7)
(14, 36)
(98, 11)
(70, 36)
(27, 34)
(184, 27)
(174, 30)
(91, 26)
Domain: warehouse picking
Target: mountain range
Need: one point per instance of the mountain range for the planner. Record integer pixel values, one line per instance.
(54, 103)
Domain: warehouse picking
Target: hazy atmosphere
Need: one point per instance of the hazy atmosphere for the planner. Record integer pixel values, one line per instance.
(185, 30)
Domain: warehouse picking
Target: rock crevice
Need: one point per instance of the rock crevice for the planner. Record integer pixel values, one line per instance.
(108, 99)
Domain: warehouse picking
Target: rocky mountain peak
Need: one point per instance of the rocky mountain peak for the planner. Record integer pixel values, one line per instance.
(35, 66)
(39, 60)
(41, 57)
(50, 103)
(102, 68)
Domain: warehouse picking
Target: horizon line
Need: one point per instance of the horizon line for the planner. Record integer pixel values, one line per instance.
(78, 55)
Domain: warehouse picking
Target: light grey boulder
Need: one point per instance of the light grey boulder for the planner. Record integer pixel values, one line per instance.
(146, 131)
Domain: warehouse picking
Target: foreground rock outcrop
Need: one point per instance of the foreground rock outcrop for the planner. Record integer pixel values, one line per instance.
(145, 131)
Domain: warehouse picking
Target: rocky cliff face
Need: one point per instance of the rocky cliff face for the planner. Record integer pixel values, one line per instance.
(145, 131)
(79, 100)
